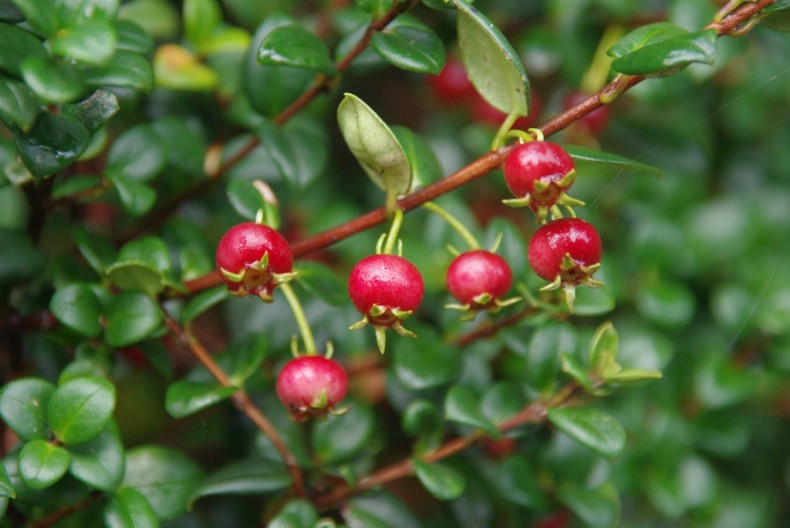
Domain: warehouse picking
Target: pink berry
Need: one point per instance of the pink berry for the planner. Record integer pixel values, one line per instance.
(452, 84)
(478, 278)
(250, 255)
(311, 386)
(538, 173)
(566, 251)
(385, 288)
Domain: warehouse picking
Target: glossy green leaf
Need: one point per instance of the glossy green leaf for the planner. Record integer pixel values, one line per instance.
(645, 36)
(41, 464)
(374, 7)
(366, 61)
(23, 407)
(149, 250)
(186, 144)
(53, 80)
(462, 406)
(94, 111)
(243, 358)
(421, 420)
(77, 307)
(501, 401)
(165, 477)
(138, 154)
(244, 477)
(18, 104)
(593, 301)
(17, 44)
(543, 352)
(592, 428)
(128, 508)
(143, 264)
(40, 15)
(293, 45)
(91, 42)
(441, 480)
(270, 88)
(79, 409)
(201, 18)
(597, 508)
(518, 481)
(572, 367)
(136, 276)
(410, 46)
(99, 463)
(323, 282)
(374, 145)
(52, 144)
(226, 40)
(96, 250)
(21, 259)
(669, 55)
(131, 316)
(177, 68)
(494, 67)
(131, 37)
(431, 364)
(126, 69)
(75, 13)
(203, 302)
(380, 510)
(341, 438)
(278, 147)
(186, 397)
(584, 155)
(6, 487)
(297, 513)
(425, 166)
(245, 198)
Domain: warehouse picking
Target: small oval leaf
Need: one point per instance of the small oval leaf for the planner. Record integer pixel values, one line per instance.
(131, 317)
(79, 409)
(592, 428)
(463, 407)
(41, 464)
(23, 407)
(185, 397)
(441, 481)
(293, 45)
(77, 308)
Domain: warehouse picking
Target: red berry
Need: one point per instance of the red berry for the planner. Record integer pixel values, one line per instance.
(566, 251)
(452, 84)
(478, 278)
(592, 124)
(385, 288)
(250, 255)
(311, 386)
(538, 173)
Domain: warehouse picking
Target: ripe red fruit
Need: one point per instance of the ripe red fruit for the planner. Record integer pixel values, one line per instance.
(253, 259)
(565, 251)
(592, 124)
(539, 173)
(452, 84)
(311, 386)
(479, 278)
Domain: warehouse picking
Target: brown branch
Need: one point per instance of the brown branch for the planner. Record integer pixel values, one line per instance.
(58, 515)
(242, 401)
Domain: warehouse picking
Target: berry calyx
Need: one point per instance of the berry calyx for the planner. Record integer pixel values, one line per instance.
(539, 173)
(311, 386)
(479, 279)
(386, 289)
(254, 259)
(566, 252)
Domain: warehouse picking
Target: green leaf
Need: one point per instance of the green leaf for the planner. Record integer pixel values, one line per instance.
(583, 155)
(425, 166)
(518, 481)
(177, 68)
(99, 463)
(138, 154)
(131, 317)
(203, 302)
(277, 146)
(669, 56)
(53, 80)
(572, 367)
(133, 38)
(92, 42)
(293, 45)
(245, 198)
(6, 487)
(40, 15)
(96, 250)
(21, 259)
(410, 46)
(380, 510)
(543, 352)
(421, 419)
(41, 464)
(79, 409)
(126, 69)
(185, 397)
(593, 301)
(645, 36)
(604, 346)
(23, 407)
(243, 358)
(463, 407)
(52, 144)
(143, 264)
(244, 477)
(201, 18)
(591, 428)
(341, 438)
(77, 307)
(494, 67)
(17, 44)
(666, 302)
(128, 508)
(596, 508)
(374, 145)
(75, 13)
(18, 104)
(297, 513)
(165, 477)
(501, 401)
(441, 481)
(323, 282)
(431, 364)
(94, 111)
(137, 198)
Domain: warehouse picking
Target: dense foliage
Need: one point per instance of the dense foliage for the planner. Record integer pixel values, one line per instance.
(140, 375)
